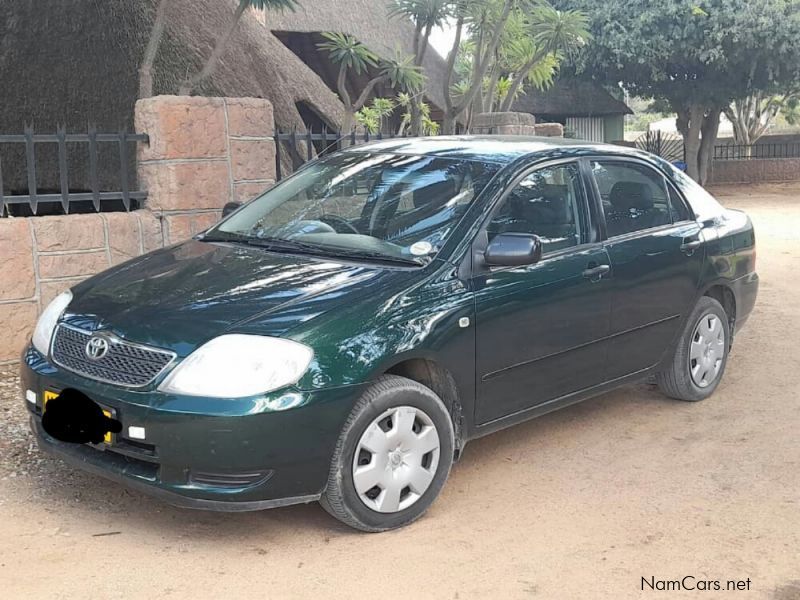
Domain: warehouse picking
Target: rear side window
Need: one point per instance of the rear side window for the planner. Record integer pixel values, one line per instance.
(704, 205)
(634, 197)
(677, 206)
(546, 203)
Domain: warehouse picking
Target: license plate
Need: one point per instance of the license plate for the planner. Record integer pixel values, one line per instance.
(48, 395)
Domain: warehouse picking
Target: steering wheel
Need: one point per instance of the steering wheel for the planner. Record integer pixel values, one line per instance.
(336, 220)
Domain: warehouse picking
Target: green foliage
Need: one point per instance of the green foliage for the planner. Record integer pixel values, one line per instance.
(402, 73)
(346, 50)
(383, 106)
(428, 126)
(557, 31)
(708, 52)
(372, 116)
(790, 113)
(427, 13)
(543, 74)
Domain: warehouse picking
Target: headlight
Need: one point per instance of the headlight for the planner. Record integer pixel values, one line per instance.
(237, 365)
(47, 322)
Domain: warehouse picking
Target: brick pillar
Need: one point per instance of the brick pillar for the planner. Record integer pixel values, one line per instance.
(203, 153)
(514, 123)
(504, 123)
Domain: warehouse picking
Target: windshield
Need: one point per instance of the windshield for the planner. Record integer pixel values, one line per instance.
(360, 204)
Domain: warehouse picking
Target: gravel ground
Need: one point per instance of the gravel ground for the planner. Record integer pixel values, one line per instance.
(582, 503)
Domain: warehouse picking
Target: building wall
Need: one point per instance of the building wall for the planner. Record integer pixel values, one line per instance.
(203, 153)
(614, 128)
(591, 129)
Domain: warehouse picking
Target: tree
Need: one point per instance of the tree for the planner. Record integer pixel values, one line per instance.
(427, 125)
(153, 43)
(698, 57)
(425, 15)
(225, 36)
(372, 116)
(486, 21)
(753, 115)
(352, 55)
(510, 42)
(550, 34)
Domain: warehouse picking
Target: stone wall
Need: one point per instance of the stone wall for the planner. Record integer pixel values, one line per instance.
(755, 170)
(203, 153)
(43, 256)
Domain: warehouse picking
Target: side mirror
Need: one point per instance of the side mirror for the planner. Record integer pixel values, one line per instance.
(229, 208)
(513, 250)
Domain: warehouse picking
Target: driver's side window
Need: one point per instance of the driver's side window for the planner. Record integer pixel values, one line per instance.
(545, 203)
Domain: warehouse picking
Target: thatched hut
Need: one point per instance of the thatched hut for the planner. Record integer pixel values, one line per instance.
(75, 62)
(586, 109)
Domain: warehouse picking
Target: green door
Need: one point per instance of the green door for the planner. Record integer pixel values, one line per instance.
(656, 268)
(541, 329)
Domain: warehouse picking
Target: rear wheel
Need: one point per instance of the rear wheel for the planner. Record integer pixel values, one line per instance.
(700, 356)
(393, 456)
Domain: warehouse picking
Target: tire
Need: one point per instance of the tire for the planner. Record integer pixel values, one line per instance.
(396, 450)
(678, 379)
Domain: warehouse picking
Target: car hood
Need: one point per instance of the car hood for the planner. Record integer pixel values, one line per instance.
(182, 296)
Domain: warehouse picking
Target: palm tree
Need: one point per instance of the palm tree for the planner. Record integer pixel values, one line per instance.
(425, 15)
(486, 21)
(222, 41)
(350, 54)
(553, 32)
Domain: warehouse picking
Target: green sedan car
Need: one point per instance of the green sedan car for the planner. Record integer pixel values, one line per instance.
(341, 337)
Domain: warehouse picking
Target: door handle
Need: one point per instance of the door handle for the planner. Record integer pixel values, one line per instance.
(596, 273)
(689, 246)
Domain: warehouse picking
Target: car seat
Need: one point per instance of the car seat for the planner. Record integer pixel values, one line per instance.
(632, 208)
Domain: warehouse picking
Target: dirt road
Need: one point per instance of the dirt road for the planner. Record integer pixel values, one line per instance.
(583, 503)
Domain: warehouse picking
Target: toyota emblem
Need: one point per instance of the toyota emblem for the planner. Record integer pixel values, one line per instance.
(96, 348)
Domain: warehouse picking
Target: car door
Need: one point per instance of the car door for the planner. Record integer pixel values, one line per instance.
(541, 328)
(656, 257)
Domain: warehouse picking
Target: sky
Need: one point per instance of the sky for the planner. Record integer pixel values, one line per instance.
(442, 39)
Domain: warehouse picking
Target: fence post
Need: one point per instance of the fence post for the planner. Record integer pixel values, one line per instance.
(277, 134)
(123, 169)
(93, 167)
(61, 135)
(30, 156)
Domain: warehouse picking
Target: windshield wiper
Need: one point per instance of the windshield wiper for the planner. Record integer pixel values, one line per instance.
(378, 257)
(271, 243)
(229, 238)
(274, 243)
(296, 246)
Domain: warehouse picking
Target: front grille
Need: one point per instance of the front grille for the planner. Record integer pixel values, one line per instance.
(125, 364)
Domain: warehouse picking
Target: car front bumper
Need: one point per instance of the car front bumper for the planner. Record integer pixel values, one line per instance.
(230, 455)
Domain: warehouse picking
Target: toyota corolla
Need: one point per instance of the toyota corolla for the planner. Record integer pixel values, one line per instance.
(341, 337)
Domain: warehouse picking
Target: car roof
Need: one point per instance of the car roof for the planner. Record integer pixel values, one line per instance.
(501, 149)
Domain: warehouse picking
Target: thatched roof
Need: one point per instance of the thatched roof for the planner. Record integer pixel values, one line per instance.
(369, 22)
(571, 98)
(77, 62)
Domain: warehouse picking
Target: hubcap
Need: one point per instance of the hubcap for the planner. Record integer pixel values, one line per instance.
(707, 350)
(396, 459)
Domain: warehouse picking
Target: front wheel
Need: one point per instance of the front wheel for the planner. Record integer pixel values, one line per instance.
(700, 356)
(393, 456)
